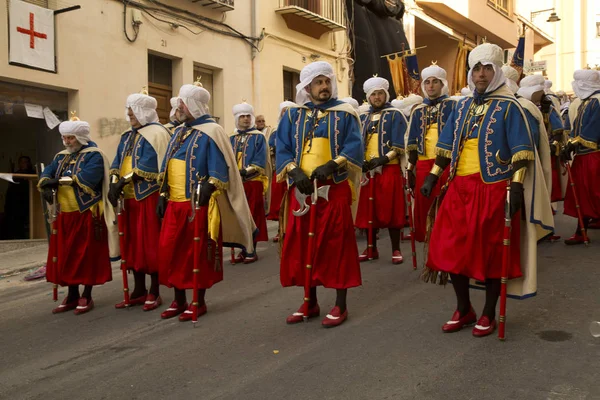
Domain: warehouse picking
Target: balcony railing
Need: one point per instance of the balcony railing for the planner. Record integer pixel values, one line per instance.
(313, 17)
(219, 5)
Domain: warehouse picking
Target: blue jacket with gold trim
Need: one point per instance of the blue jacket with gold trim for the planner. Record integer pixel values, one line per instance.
(252, 145)
(389, 124)
(424, 116)
(503, 134)
(86, 170)
(299, 123)
(201, 154)
(585, 128)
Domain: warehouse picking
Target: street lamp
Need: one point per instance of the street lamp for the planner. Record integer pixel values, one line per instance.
(552, 18)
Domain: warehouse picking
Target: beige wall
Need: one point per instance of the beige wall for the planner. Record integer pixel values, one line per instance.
(99, 68)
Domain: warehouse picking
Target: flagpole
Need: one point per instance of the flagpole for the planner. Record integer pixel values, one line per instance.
(403, 53)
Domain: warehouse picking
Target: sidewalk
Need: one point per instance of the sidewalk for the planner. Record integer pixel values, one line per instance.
(17, 257)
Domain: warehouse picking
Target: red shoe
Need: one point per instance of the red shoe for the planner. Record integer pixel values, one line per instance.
(554, 238)
(132, 302)
(397, 257)
(84, 306)
(484, 327)
(187, 314)
(64, 306)
(575, 239)
(457, 323)
(298, 315)
(275, 239)
(238, 260)
(152, 302)
(334, 318)
(364, 257)
(173, 310)
(250, 258)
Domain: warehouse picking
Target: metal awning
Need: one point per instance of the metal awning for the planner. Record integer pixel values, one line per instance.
(219, 5)
(307, 22)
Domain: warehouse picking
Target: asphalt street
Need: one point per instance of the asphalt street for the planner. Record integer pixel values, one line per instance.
(391, 347)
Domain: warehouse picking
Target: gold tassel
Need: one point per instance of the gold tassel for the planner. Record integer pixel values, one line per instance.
(443, 152)
(586, 143)
(523, 155)
(86, 189)
(412, 147)
(114, 171)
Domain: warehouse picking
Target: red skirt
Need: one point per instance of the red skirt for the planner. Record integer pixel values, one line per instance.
(585, 171)
(335, 263)
(556, 194)
(256, 202)
(277, 191)
(422, 203)
(142, 229)
(176, 251)
(389, 202)
(468, 231)
(82, 246)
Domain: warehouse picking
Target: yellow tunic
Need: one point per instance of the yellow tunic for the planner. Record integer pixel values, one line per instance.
(66, 199)
(468, 163)
(316, 155)
(126, 168)
(431, 139)
(176, 179)
(372, 150)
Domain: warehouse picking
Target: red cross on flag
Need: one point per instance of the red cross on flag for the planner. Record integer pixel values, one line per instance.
(31, 31)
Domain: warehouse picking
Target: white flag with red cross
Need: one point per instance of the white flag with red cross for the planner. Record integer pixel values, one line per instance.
(31, 31)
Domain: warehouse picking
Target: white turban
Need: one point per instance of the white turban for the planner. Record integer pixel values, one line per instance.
(174, 105)
(285, 105)
(433, 71)
(512, 76)
(243, 109)
(586, 82)
(406, 104)
(143, 107)
(195, 98)
(466, 91)
(487, 54)
(79, 129)
(352, 102)
(364, 108)
(530, 85)
(547, 84)
(310, 72)
(377, 83)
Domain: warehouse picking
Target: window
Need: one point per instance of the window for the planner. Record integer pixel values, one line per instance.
(598, 29)
(207, 80)
(290, 80)
(502, 6)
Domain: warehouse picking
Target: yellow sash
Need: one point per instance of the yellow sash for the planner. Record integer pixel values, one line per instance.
(315, 155)
(127, 167)
(176, 179)
(431, 139)
(468, 163)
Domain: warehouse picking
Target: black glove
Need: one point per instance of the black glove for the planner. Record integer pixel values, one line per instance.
(243, 173)
(566, 153)
(516, 197)
(545, 104)
(161, 206)
(47, 195)
(553, 148)
(365, 166)
(323, 172)
(302, 182)
(206, 191)
(412, 180)
(51, 183)
(428, 185)
(136, 177)
(114, 191)
(378, 162)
